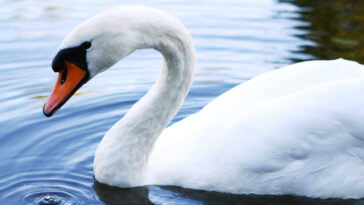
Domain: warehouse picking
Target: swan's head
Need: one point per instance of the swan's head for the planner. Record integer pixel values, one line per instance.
(100, 42)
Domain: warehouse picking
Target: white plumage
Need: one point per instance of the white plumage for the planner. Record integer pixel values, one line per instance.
(296, 130)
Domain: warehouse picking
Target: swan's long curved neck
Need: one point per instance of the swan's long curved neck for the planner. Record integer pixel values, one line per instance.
(122, 155)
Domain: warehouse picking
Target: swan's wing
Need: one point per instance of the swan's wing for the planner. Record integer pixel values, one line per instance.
(284, 81)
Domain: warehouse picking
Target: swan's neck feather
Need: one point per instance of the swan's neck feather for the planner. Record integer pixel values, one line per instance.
(121, 156)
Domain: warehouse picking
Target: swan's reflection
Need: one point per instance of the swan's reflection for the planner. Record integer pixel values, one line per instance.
(177, 195)
(113, 195)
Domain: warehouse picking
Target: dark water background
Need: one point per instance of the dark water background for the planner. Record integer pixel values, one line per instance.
(49, 161)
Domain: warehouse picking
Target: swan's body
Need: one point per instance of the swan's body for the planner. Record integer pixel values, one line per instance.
(297, 130)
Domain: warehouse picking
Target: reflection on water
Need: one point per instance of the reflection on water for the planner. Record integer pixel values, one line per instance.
(178, 195)
(113, 195)
(336, 28)
(45, 161)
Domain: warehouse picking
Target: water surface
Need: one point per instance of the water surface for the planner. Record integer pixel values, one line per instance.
(49, 161)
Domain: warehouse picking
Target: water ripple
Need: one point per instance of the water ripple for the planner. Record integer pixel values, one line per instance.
(47, 187)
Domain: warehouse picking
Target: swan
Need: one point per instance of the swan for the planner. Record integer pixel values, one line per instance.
(297, 130)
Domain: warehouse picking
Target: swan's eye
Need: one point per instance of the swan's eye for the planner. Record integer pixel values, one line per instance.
(64, 76)
(86, 44)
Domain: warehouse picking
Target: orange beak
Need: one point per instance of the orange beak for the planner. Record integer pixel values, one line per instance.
(69, 81)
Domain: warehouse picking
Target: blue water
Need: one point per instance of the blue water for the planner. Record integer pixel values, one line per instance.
(49, 160)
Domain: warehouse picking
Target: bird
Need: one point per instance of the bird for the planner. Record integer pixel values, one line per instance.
(296, 130)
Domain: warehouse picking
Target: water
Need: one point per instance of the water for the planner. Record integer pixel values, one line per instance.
(49, 161)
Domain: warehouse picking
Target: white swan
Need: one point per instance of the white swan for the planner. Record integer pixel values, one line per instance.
(297, 130)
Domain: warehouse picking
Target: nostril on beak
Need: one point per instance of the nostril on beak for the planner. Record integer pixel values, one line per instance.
(64, 75)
